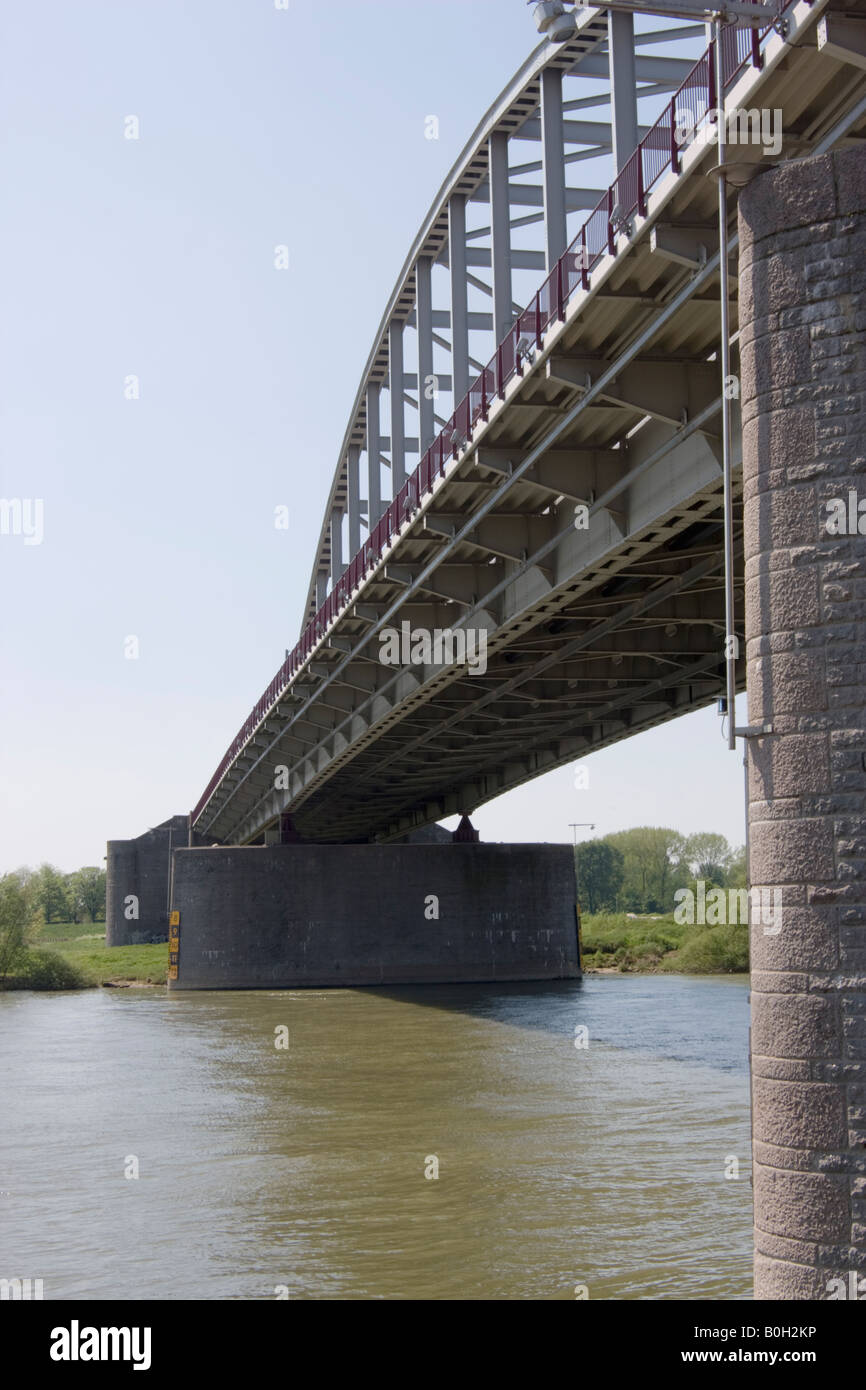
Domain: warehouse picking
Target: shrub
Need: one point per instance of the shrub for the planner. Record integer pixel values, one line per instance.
(651, 948)
(712, 951)
(606, 931)
(48, 970)
(18, 922)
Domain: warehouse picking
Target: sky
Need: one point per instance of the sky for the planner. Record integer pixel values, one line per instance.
(164, 387)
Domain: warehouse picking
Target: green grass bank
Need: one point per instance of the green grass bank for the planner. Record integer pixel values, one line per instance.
(69, 955)
(653, 944)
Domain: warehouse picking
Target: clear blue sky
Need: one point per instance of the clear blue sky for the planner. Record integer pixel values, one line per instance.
(154, 257)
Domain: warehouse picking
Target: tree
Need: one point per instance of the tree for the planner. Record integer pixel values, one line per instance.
(599, 869)
(653, 866)
(52, 893)
(708, 856)
(87, 892)
(19, 919)
(737, 868)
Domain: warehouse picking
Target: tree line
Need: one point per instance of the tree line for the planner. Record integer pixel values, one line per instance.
(639, 870)
(54, 896)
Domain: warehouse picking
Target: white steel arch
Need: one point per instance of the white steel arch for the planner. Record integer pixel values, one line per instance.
(625, 68)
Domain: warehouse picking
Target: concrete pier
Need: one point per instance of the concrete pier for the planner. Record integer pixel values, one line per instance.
(803, 355)
(281, 916)
(137, 883)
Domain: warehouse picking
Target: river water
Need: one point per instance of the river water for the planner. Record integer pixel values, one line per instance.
(299, 1171)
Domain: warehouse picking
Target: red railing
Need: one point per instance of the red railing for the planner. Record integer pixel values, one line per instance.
(657, 152)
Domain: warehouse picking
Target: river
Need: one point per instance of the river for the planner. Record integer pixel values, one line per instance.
(298, 1171)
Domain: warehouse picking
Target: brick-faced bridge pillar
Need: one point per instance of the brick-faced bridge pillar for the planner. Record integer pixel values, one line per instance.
(803, 395)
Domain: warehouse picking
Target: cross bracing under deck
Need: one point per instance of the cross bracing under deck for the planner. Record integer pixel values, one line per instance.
(604, 393)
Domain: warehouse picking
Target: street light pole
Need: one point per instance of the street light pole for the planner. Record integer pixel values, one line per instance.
(576, 825)
(725, 362)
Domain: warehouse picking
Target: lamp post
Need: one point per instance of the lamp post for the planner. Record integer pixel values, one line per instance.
(576, 825)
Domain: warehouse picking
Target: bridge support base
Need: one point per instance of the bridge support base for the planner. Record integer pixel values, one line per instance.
(137, 883)
(803, 354)
(283, 916)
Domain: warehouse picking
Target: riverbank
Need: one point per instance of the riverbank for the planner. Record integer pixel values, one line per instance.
(71, 955)
(74, 956)
(653, 944)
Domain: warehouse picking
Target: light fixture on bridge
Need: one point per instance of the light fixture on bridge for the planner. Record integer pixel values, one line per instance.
(620, 221)
(741, 171)
(552, 18)
(524, 349)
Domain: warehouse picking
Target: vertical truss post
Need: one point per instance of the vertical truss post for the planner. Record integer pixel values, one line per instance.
(500, 234)
(395, 379)
(337, 565)
(352, 461)
(623, 86)
(459, 297)
(424, 325)
(374, 451)
(553, 165)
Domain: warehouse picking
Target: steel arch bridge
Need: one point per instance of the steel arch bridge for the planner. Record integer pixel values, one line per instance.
(558, 489)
